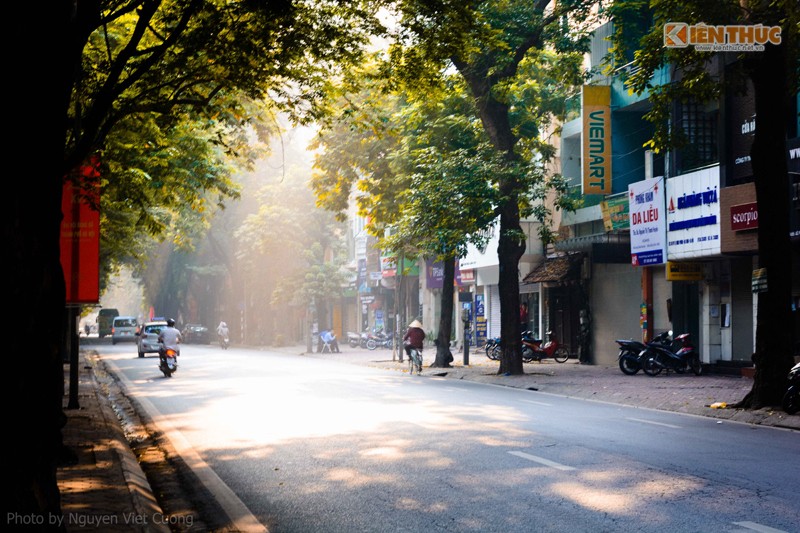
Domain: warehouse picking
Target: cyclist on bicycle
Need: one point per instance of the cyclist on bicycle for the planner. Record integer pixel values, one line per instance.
(414, 337)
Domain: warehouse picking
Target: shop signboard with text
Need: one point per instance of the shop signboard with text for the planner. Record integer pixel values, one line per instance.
(596, 139)
(647, 222)
(693, 215)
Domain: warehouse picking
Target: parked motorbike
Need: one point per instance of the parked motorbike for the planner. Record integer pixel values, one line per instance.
(168, 361)
(630, 355)
(493, 349)
(353, 339)
(532, 349)
(673, 355)
(791, 398)
(380, 340)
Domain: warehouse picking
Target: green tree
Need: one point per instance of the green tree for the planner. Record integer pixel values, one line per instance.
(444, 156)
(487, 42)
(775, 75)
(93, 65)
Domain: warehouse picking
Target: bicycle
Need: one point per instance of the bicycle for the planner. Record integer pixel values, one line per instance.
(414, 361)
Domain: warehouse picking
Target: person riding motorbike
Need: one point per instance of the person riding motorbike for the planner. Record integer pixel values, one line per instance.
(169, 337)
(222, 331)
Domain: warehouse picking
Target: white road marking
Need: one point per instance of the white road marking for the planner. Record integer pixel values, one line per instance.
(643, 421)
(542, 460)
(759, 527)
(538, 403)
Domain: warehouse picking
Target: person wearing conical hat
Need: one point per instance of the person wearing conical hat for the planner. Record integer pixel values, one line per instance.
(414, 337)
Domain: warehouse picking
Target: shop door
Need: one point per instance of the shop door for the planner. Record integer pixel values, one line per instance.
(686, 310)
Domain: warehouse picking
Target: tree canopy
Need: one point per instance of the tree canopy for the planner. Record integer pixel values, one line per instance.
(180, 65)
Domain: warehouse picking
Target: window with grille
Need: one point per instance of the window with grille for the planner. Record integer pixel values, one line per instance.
(699, 127)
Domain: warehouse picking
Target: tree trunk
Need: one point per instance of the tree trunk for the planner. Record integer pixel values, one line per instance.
(495, 119)
(774, 335)
(446, 317)
(509, 251)
(31, 233)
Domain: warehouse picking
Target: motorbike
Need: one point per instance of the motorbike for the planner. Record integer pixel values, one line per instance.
(791, 398)
(380, 339)
(493, 348)
(353, 339)
(168, 361)
(533, 350)
(673, 355)
(224, 342)
(630, 355)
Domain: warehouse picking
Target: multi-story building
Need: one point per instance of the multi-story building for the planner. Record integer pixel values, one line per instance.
(667, 241)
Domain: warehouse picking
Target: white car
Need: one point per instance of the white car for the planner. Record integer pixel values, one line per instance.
(123, 329)
(147, 341)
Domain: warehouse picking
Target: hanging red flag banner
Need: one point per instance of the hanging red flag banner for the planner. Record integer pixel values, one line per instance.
(80, 237)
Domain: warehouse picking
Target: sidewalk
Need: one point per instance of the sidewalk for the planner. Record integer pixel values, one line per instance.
(683, 393)
(107, 491)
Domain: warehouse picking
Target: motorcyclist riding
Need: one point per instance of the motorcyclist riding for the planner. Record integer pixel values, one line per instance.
(222, 332)
(169, 337)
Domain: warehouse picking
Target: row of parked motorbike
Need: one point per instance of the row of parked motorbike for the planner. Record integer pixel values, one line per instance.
(533, 349)
(663, 353)
(678, 355)
(370, 340)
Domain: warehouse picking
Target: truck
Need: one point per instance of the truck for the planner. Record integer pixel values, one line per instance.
(105, 319)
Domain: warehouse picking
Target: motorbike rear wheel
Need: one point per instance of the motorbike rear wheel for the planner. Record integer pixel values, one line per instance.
(791, 400)
(629, 363)
(494, 352)
(371, 344)
(696, 366)
(651, 366)
(561, 354)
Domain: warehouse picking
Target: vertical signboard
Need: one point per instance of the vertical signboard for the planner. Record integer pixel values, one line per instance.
(794, 182)
(647, 222)
(80, 238)
(480, 320)
(693, 215)
(596, 139)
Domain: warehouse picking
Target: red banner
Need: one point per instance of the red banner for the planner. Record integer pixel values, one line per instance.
(80, 239)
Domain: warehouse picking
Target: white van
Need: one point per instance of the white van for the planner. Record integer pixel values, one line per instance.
(123, 328)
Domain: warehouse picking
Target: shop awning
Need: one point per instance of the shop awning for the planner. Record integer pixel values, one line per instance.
(556, 269)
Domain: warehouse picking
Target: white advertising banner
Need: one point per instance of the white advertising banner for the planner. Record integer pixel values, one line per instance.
(647, 222)
(693, 217)
(486, 256)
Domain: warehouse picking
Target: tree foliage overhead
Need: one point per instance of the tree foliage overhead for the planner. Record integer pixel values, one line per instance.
(171, 57)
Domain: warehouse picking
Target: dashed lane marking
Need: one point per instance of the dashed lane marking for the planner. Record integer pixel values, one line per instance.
(758, 527)
(643, 421)
(538, 403)
(542, 460)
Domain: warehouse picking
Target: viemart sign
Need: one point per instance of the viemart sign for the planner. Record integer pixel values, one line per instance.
(744, 216)
(596, 139)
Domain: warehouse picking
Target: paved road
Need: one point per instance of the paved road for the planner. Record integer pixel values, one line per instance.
(319, 446)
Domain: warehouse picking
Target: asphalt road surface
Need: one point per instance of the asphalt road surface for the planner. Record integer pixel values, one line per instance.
(298, 444)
